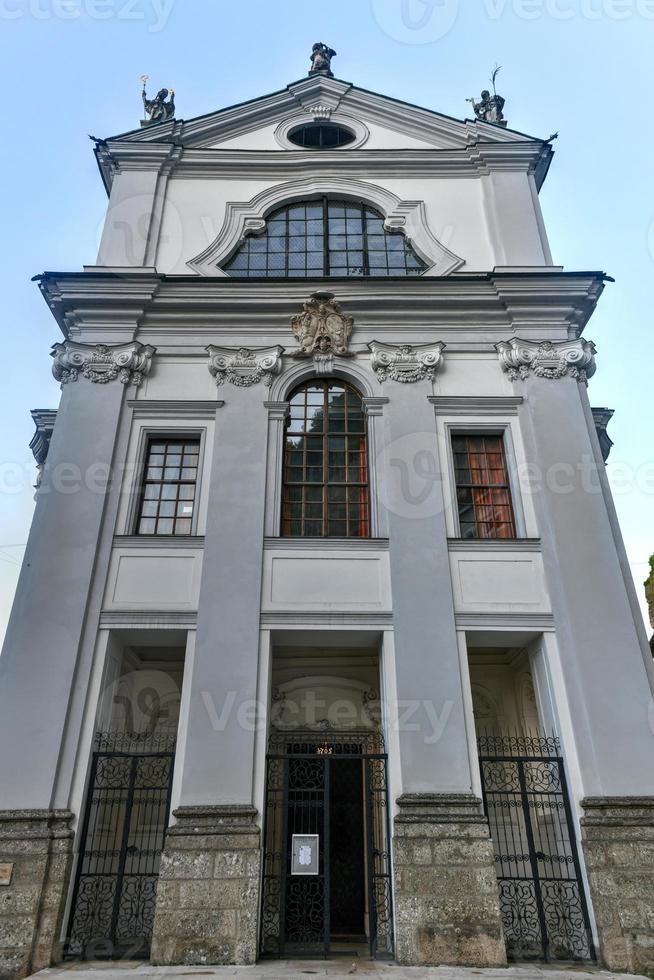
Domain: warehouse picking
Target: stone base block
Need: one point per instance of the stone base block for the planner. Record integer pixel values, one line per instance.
(35, 860)
(447, 907)
(208, 892)
(618, 841)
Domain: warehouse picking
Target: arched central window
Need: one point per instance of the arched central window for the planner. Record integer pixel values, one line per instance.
(325, 237)
(326, 463)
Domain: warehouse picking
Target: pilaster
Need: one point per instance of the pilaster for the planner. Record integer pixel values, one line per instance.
(447, 907)
(40, 661)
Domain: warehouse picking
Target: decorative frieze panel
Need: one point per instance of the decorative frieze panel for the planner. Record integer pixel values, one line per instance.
(547, 359)
(405, 363)
(101, 363)
(245, 367)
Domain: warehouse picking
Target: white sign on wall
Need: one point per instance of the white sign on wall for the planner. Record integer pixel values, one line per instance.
(305, 854)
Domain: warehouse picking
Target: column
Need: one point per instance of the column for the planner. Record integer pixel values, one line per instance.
(207, 902)
(447, 907)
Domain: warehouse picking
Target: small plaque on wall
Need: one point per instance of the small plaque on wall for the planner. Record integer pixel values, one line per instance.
(6, 871)
(305, 855)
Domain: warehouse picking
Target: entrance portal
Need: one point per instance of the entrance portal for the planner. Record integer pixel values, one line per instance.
(327, 875)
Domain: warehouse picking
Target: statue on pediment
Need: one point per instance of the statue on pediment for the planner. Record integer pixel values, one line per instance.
(321, 59)
(322, 328)
(490, 108)
(158, 109)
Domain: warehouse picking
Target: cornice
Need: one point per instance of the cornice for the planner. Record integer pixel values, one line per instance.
(475, 404)
(467, 161)
(109, 302)
(488, 306)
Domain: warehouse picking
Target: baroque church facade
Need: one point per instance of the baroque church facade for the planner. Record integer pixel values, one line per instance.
(325, 640)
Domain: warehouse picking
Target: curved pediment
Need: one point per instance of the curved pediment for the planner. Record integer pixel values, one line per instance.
(249, 218)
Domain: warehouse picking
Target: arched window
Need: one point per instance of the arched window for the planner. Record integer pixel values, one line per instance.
(325, 237)
(326, 463)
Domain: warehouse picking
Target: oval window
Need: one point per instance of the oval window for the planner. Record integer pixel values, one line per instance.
(321, 136)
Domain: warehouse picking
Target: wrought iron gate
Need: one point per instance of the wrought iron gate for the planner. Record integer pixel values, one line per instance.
(122, 838)
(544, 909)
(347, 894)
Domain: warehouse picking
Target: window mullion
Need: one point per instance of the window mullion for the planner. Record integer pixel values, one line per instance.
(326, 267)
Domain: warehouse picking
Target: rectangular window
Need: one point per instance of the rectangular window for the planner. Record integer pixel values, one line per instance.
(482, 487)
(169, 487)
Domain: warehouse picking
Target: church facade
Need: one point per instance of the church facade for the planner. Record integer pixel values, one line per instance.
(325, 639)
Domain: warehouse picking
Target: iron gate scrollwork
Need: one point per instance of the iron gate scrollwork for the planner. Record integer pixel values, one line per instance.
(122, 838)
(542, 898)
(332, 785)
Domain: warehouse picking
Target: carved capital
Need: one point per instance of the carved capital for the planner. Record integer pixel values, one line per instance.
(245, 367)
(405, 363)
(547, 359)
(101, 363)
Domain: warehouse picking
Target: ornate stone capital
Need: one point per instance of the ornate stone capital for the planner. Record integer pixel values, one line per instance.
(245, 367)
(322, 328)
(405, 363)
(547, 359)
(101, 363)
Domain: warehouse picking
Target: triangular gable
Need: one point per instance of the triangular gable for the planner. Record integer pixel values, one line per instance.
(319, 97)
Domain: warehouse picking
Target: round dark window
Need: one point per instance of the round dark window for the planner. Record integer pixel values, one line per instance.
(321, 136)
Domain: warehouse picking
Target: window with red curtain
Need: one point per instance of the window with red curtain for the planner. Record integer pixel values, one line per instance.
(482, 487)
(326, 490)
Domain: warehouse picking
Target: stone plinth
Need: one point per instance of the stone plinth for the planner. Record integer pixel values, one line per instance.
(618, 841)
(208, 892)
(446, 898)
(36, 854)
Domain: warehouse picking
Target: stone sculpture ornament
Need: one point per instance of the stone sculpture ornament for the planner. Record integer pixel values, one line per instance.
(322, 328)
(547, 359)
(244, 367)
(490, 109)
(101, 363)
(405, 363)
(158, 109)
(321, 59)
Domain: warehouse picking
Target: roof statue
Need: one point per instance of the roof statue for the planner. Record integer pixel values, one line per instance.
(321, 60)
(158, 109)
(490, 108)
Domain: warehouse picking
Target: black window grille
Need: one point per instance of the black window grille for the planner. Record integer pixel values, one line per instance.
(326, 463)
(325, 238)
(169, 487)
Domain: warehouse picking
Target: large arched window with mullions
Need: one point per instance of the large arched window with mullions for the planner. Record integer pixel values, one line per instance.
(326, 490)
(325, 237)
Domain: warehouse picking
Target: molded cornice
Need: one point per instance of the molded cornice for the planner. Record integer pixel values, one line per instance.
(488, 306)
(468, 161)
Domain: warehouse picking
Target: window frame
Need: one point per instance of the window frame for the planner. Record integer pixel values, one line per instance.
(524, 519)
(326, 384)
(476, 434)
(147, 434)
(327, 270)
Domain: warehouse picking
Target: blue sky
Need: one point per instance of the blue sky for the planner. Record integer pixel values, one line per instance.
(582, 67)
